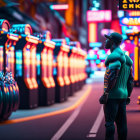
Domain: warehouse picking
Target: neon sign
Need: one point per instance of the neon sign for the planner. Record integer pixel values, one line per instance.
(32, 39)
(129, 4)
(4, 25)
(130, 21)
(99, 16)
(59, 7)
(134, 13)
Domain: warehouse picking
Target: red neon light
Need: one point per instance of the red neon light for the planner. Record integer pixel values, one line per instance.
(66, 61)
(60, 7)
(71, 67)
(99, 16)
(1, 58)
(28, 83)
(49, 44)
(46, 82)
(78, 45)
(11, 60)
(74, 50)
(65, 48)
(33, 67)
(12, 37)
(48, 36)
(28, 29)
(50, 67)
(60, 80)
(64, 42)
(5, 26)
(32, 39)
(115, 26)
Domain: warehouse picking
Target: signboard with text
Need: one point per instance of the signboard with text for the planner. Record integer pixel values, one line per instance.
(129, 4)
(99, 16)
(130, 21)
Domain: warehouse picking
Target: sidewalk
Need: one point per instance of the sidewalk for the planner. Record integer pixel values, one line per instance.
(53, 108)
(133, 116)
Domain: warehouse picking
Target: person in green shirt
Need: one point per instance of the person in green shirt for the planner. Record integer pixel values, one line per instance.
(118, 85)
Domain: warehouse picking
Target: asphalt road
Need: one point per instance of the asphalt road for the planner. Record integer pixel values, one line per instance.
(83, 123)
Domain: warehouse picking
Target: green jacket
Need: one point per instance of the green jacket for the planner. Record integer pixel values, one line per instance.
(118, 60)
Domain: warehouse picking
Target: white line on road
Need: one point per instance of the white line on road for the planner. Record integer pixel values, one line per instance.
(96, 124)
(66, 125)
(68, 122)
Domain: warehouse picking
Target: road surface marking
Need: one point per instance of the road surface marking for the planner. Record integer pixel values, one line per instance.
(69, 121)
(51, 113)
(96, 124)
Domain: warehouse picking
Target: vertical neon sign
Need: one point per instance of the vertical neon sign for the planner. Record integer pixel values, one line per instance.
(92, 32)
(136, 63)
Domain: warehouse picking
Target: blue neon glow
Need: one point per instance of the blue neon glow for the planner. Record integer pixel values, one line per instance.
(90, 57)
(92, 62)
(67, 39)
(58, 44)
(54, 69)
(120, 13)
(98, 61)
(18, 63)
(87, 63)
(38, 57)
(71, 47)
(100, 52)
(124, 29)
(95, 44)
(51, 7)
(94, 8)
(124, 37)
(103, 56)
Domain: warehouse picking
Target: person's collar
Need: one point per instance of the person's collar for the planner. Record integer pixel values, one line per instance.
(114, 47)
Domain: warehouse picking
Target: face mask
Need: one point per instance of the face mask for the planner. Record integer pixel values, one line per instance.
(108, 44)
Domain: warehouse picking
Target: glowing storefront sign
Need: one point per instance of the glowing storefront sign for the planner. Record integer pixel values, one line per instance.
(130, 21)
(129, 4)
(134, 13)
(99, 16)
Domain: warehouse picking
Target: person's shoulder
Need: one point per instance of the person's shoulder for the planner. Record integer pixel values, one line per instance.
(128, 60)
(116, 55)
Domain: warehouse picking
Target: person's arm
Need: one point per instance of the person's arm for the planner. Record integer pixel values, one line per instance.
(111, 76)
(110, 80)
(130, 83)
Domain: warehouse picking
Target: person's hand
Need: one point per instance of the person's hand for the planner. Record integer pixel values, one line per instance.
(103, 98)
(128, 101)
